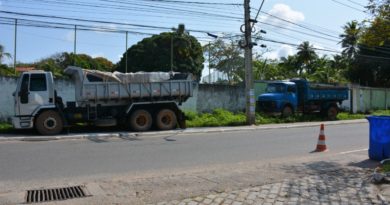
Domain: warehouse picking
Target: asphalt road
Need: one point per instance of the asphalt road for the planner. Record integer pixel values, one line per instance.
(77, 158)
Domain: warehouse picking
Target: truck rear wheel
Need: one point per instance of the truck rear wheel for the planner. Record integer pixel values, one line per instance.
(331, 113)
(140, 120)
(166, 119)
(49, 122)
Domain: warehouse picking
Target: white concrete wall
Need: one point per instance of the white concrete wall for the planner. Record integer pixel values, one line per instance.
(7, 87)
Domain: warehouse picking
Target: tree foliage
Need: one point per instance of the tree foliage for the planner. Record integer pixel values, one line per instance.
(154, 54)
(58, 62)
(227, 57)
(350, 37)
(371, 65)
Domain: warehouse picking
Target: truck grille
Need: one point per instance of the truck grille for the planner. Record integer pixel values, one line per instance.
(265, 106)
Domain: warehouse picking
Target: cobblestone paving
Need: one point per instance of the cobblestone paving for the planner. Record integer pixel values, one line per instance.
(311, 190)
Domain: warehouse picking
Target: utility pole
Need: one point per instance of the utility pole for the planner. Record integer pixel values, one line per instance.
(172, 52)
(74, 46)
(16, 29)
(249, 91)
(127, 33)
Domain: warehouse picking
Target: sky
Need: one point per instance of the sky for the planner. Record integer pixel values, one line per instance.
(287, 23)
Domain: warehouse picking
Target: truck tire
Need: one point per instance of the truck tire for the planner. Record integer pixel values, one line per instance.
(140, 120)
(49, 122)
(331, 113)
(166, 119)
(287, 111)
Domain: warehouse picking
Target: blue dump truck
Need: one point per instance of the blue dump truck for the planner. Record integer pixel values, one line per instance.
(298, 95)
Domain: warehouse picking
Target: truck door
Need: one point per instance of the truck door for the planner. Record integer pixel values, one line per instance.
(292, 95)
(32, 93)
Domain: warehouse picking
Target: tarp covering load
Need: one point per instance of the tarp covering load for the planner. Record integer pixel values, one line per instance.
(108, 88)
(138, 77)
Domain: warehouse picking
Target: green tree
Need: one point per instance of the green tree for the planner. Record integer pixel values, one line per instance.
(350, 39)
(371, 66)
(154, 54)
(270, 70)
(291, 66)
(227, 58)
(3, 54)
(58, 62)
(306, 55)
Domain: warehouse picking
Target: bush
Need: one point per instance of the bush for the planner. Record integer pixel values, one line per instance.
(218, 117)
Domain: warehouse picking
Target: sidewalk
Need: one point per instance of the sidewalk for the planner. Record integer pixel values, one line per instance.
(334, 188)
(342, 185)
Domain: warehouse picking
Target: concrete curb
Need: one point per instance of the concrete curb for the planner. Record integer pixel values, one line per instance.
(203, 130)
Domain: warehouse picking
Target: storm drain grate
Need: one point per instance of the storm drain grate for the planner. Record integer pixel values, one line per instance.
(55, 194)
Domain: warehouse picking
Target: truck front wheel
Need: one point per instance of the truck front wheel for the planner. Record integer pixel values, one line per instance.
(166, 119)
(49, 122)
(331, 113)
(287, 111)
(140, 120)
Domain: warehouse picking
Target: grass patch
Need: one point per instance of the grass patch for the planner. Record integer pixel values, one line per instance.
(220, 117)
(5, 127)
(381, 112)
(349, 116)
(386, 167)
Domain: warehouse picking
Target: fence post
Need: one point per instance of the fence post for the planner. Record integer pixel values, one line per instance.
(351, 100)
(370, 99)
(385, 99)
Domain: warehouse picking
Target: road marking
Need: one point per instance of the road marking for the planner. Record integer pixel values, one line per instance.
(352, 151)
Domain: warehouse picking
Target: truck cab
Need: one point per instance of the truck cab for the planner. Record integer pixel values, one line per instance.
(34, 94)
(279, 97)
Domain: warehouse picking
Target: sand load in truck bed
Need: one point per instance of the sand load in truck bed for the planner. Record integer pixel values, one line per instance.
(108, 88)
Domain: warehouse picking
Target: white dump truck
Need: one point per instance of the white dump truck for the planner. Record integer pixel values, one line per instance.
(140, 101)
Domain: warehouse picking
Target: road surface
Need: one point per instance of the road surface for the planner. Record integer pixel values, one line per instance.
(22, 161)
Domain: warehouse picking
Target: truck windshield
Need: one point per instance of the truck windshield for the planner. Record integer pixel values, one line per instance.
(275, 88)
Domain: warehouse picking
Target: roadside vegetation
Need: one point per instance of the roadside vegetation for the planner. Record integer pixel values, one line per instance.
(4, 127)
(221, 117)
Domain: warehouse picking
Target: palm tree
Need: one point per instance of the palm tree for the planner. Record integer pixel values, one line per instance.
(3, 54)
(306, 55)
(350, 39)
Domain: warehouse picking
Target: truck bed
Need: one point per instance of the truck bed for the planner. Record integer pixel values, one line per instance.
(92, 87)
(328, 92)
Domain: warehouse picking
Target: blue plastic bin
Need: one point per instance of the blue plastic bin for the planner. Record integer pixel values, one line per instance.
(379, 147)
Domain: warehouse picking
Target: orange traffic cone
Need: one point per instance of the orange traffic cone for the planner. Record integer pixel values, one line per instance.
(321, 146)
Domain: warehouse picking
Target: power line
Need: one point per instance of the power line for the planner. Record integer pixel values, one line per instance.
(296, 45)
(299, 25)
(197, 2)
(359, 4)
(97, 21)
(141, 7)
(299, 31)
(349, 6)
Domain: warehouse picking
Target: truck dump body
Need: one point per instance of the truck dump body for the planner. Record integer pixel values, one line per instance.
(335, 93)
(118, 88)
(315, 92)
